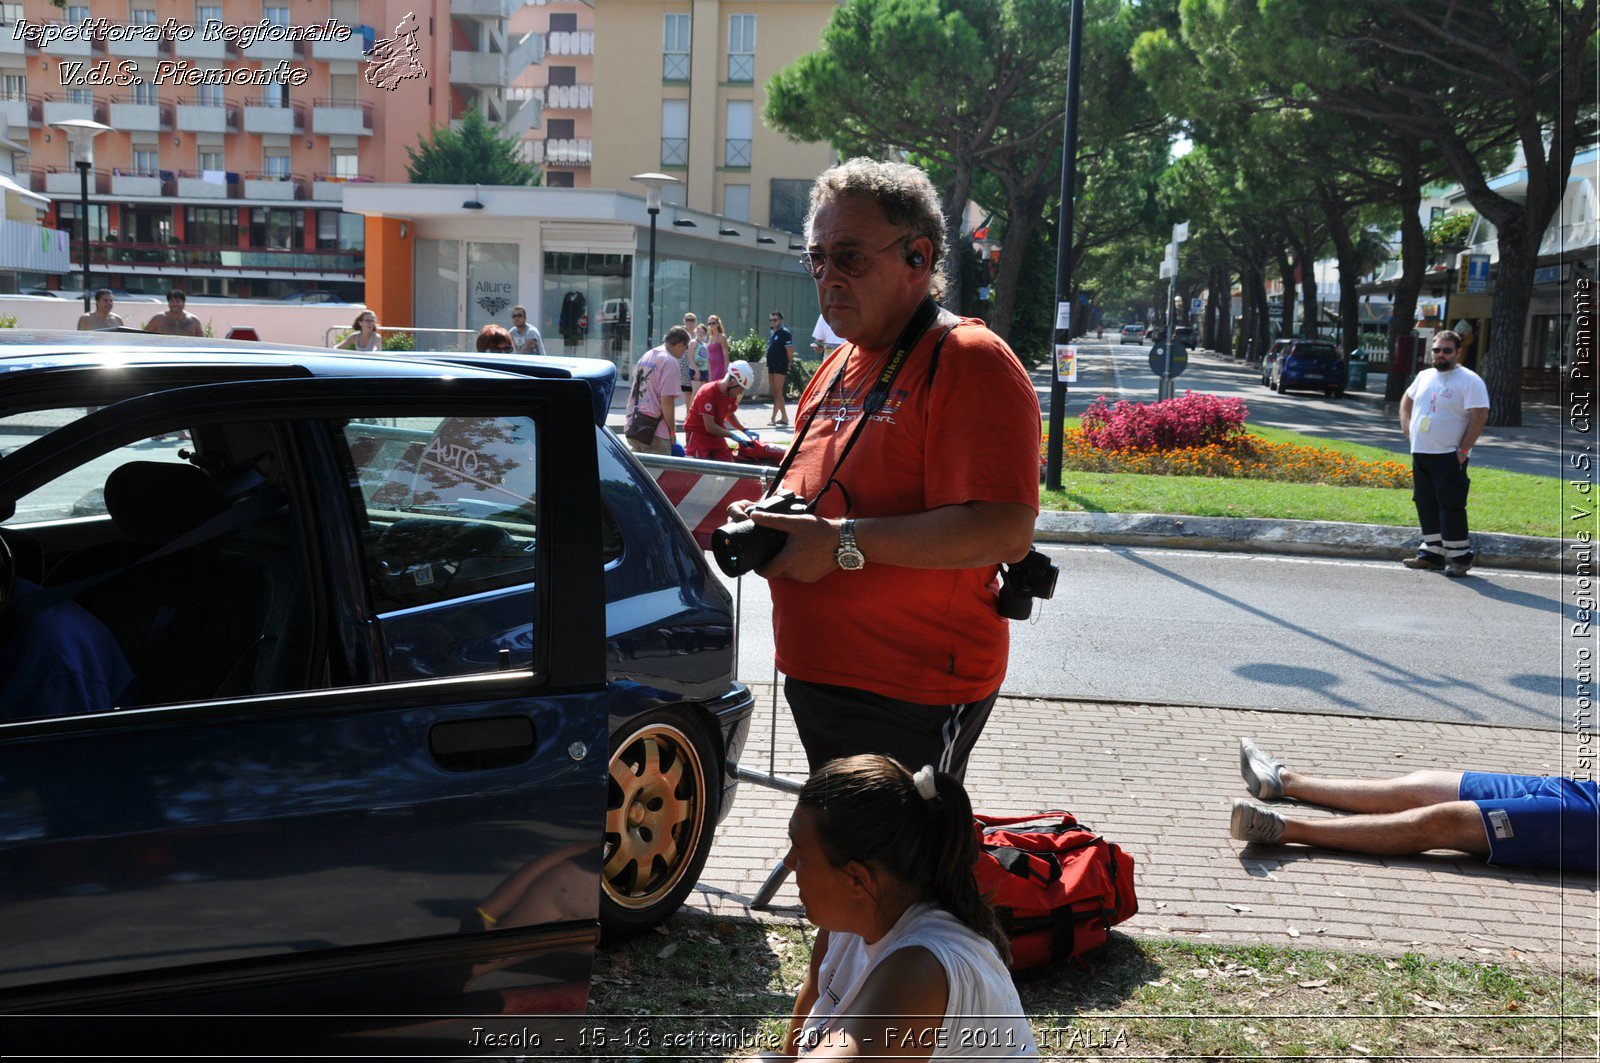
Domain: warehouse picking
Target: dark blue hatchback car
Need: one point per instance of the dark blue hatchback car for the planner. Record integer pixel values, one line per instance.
(340, 684)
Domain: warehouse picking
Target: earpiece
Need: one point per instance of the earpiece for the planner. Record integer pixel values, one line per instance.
(915, 260)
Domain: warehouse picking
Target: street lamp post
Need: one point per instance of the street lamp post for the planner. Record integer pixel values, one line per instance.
(653, 184)
(80, 145)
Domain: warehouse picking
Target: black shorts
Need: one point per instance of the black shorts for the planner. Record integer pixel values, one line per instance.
(778, 364)
(836, 721)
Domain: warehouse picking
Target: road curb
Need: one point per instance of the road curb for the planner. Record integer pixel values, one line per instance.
(1317, 538)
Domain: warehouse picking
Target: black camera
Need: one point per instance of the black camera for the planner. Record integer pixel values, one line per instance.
(744, 546)
(1023, 581)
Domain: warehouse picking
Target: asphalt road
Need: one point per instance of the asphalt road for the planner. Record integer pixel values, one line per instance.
(1123, 371)
(1292, 634)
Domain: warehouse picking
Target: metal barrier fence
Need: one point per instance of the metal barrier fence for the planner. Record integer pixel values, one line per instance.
(702, 503)
(448, 340)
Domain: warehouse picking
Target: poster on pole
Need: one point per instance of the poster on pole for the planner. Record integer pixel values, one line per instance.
(1067, 363)
(1180, 232)
(1063, 316)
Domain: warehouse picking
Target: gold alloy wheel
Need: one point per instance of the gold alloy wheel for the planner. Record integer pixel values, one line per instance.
(654, 815)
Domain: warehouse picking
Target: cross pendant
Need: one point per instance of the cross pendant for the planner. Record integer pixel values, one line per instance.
(838, 418)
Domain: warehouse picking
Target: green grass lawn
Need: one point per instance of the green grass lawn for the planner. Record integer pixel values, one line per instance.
(1501, 501)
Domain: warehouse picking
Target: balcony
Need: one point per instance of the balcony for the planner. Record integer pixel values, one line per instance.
(33, 248)
(71, 47)
(140, 117)
(563, 152)
(65, 110)
(331, 118)
(261, 117)
(197, 48)
(329, 188)
(568, 97)
(195, 116)
(487, 69)
(177, 256)
(13, 52)
(258, 185)
(14, 109)
(275, 50)
(59, 182)
(493, 10)
(141, 47)
(351, 50)
(138, 183)
(193, 184)
(572, 42)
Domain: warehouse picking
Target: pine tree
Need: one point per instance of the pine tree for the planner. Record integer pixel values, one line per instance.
(472, 153)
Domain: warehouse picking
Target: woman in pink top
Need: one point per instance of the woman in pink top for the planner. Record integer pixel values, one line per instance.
(716, 348)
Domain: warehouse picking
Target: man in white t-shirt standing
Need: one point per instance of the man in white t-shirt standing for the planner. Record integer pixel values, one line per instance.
(1444, 411)
(525, 338)
(823, 338)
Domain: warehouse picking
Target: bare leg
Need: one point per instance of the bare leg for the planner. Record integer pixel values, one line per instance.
(1416, 790)
(1454, 825)
(780, 412)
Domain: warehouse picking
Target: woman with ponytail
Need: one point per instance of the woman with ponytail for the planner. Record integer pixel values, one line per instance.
(910, 961)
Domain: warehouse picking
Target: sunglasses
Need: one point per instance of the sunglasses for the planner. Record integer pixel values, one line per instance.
(519, 315)
(850, 263)
(1444, 350)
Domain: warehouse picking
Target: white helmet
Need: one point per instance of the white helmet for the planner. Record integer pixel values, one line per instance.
(742, 374)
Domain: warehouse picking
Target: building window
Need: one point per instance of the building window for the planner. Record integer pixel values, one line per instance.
(674, 132)
(563, 22)
(276, 165)
(736, 202)
(208, 95)
(210, 160)
(675, 48)
(141, 16)
(563, 75)
(10, 13)
(146, 162)
(204, 13)
(146, 93)
(741, 47)
(275, 14)
(790, 201)
(560, 129)
(15, 87)
(344, 163)
(275, 95)
(282, 229)
(67, 213)
(736, 147)
(212, 226)
(559, 179)
(80, 96)
(336, 229)
(77, 12)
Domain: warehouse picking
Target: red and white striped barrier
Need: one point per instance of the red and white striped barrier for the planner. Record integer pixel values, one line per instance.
(702, 491)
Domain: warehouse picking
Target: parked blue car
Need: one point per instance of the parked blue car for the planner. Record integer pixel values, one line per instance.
(423, 681)
(1309, 365)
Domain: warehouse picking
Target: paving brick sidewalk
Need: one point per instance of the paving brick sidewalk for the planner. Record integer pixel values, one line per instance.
(1161, 780)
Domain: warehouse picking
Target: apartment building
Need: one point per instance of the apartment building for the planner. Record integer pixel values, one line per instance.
(236, 126)
(563, 87)
(682, 84)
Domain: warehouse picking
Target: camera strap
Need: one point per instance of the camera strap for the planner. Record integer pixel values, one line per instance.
(927, 314)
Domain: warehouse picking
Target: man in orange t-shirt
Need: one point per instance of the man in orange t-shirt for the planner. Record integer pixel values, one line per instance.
(884, 598)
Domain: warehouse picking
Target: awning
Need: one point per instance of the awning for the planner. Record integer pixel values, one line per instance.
(10, 185)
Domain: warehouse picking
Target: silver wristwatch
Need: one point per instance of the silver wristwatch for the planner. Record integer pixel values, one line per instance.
(849, 555)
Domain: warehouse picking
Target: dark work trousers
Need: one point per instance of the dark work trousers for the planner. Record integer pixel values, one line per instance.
(842, 722)
(1439, 486)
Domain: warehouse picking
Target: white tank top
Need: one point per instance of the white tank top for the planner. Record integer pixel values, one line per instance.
(983, 1018)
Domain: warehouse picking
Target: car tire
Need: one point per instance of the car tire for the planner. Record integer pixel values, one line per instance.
(661, 806)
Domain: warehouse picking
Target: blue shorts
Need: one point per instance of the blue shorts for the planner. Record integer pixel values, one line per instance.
(1536, 820)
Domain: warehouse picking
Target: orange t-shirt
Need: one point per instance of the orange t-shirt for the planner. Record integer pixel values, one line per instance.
(930, 636)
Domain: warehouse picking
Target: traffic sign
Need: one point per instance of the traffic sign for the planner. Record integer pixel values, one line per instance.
(1158, 356)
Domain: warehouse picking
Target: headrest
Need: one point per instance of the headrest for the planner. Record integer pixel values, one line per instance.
(154, 502)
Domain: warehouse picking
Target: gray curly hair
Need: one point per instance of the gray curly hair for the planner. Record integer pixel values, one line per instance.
(902, 191)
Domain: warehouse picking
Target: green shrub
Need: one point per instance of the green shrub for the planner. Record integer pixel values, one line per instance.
(8, 321)
(399, 341)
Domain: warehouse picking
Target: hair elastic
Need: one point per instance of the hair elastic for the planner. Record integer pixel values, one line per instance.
(926, 789)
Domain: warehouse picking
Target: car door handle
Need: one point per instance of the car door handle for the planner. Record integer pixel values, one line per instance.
(479, 745)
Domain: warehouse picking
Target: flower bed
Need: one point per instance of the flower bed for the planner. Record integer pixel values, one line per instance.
(1202, 435)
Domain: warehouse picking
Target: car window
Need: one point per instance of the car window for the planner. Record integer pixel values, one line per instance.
(77, 493)
(1319, 353)
(451, 505)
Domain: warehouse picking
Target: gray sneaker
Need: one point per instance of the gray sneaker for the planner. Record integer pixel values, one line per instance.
(1263, 776)
(1252, 823)
(1457, 569)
